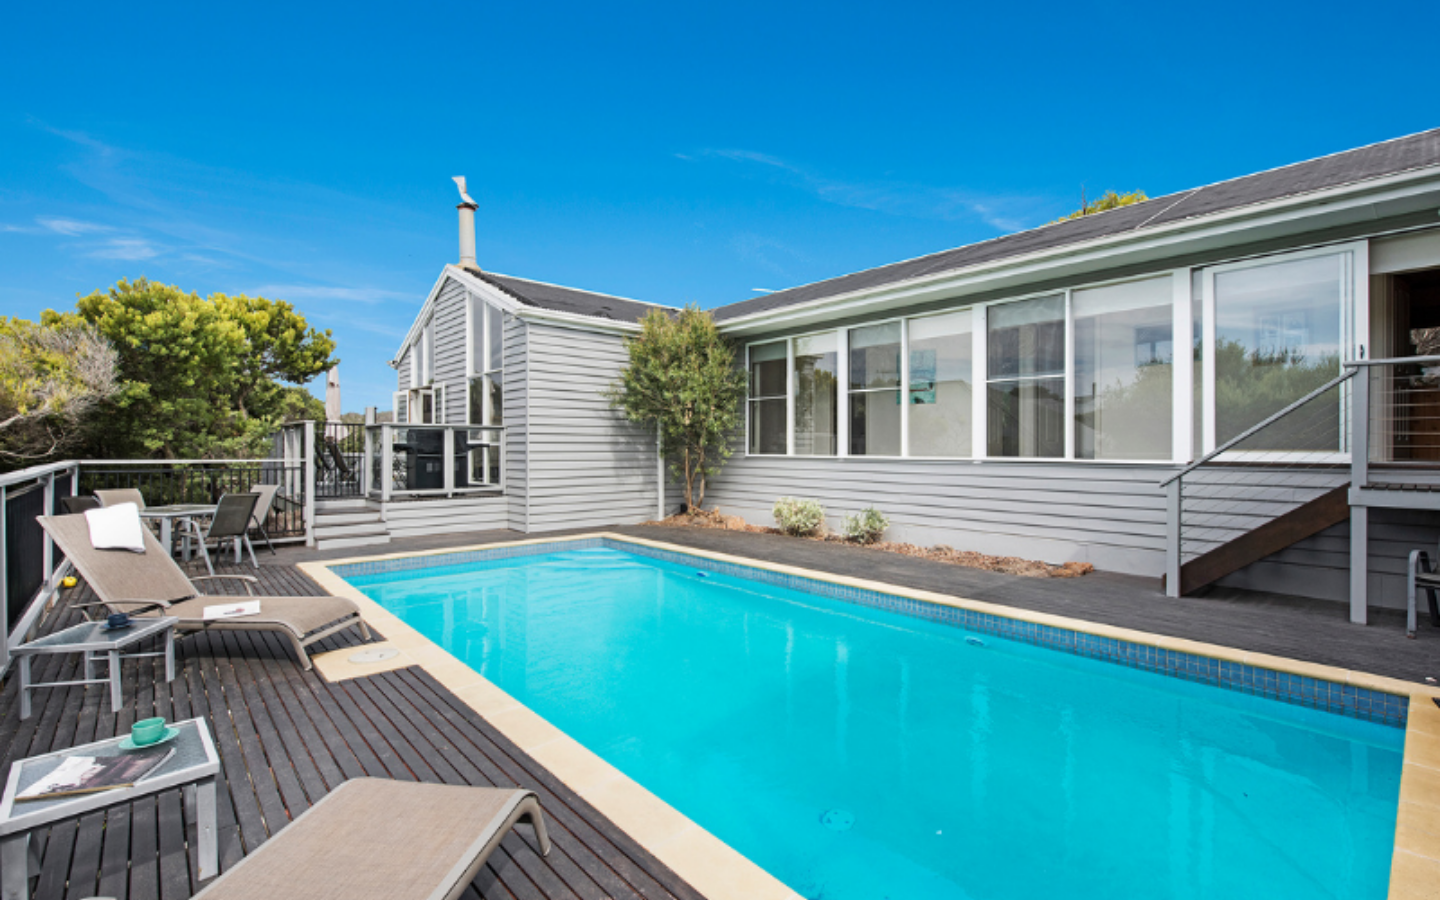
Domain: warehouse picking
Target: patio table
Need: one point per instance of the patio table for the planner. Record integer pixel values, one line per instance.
(168, 515)
(93, 639)
(193, 767)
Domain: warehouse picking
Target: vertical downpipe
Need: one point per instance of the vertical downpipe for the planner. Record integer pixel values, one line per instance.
(1359, 514)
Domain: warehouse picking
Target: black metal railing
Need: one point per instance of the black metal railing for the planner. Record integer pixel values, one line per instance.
(163, 484)
(339, 452)
(24, 549)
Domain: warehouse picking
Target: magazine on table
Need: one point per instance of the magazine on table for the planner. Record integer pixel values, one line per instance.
(87, 774)
(233, 610)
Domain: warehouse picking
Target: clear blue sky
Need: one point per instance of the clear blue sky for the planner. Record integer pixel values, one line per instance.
(670, 152)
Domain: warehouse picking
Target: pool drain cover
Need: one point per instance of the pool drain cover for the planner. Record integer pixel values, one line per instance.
(838, 819)
(374, 655)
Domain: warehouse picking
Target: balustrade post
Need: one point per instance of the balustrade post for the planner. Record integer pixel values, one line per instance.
(1173, 509)
(309, 451)
(48, 551)
(1359, 477)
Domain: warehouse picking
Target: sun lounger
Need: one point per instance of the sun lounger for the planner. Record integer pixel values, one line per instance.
(152, 583)
(373, 839)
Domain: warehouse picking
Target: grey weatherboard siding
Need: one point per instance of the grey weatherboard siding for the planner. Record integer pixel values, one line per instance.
(587, 465)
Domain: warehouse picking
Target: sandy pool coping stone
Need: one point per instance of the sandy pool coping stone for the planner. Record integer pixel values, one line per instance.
(720, 872)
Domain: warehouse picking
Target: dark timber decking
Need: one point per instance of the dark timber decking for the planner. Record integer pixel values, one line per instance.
(287, 737)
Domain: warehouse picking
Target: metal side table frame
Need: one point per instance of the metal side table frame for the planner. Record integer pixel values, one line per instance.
(95, 640)
(194, 768)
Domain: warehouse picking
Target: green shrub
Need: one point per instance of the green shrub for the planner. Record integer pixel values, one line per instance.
(799, 517)
(866, 527)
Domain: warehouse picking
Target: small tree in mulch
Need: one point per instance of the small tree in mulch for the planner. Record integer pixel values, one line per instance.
(682, 374)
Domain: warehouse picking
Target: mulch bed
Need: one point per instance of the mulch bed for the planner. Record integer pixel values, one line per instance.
(1010, 565)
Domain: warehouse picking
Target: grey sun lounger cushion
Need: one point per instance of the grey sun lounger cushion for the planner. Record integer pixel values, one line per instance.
(140, 582)
(374, 839)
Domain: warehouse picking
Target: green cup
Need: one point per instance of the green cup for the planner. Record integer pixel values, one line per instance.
(147, 731)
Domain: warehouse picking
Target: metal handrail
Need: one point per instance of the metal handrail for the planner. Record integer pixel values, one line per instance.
(1354, 363)
(1338, 380)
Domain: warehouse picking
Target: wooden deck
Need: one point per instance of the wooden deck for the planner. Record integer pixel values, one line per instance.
(287, 737)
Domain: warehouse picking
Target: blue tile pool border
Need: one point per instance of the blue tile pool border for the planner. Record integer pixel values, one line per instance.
(1316, 693)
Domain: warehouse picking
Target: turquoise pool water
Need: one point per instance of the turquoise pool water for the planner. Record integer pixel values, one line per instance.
(856, 753)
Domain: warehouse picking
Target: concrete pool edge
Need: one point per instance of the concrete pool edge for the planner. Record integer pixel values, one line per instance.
(720, 872)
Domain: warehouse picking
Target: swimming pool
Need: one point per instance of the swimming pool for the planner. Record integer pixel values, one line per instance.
(856, 753)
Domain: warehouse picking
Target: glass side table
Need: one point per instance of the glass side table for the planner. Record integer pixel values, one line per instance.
(96, 641)
(194, 767)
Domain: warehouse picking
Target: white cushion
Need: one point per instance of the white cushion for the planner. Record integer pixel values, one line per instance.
(116, 528)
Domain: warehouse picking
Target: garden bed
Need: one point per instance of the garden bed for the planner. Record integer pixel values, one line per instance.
(1010, 565)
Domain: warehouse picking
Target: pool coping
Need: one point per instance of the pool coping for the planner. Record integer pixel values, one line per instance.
(720, 872)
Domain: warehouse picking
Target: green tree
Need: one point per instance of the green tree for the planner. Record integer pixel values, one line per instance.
(199, 377)
(51, 381)
(1108, 200)
(682, 374)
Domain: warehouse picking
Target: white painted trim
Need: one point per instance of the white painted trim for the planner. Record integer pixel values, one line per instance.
(1359, 196)
(1182, 369)
(1069, 364)
(980, 382)
(842, 391)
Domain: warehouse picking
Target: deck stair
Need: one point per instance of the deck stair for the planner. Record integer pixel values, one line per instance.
(349, 523)
(1367, 439)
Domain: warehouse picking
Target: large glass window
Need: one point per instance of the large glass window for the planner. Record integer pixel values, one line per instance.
(816, 386)
(487, 360)
(1026, 392)
(875, 390)
(767, 398)
(1278, 336)
(942, 352)
(1124, 365)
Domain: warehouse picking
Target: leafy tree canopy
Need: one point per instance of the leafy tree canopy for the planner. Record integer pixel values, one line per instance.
(199, 377)
(682, 374)
(51, 380)
(1107, 200)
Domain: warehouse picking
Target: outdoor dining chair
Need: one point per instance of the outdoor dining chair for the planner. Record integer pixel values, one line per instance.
(267, 494)
(231, 522)
(116, 496)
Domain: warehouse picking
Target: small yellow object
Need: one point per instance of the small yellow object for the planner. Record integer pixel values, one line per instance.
(68, 581)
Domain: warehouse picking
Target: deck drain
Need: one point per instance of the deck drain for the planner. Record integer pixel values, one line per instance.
(838, 819)
(373, 655)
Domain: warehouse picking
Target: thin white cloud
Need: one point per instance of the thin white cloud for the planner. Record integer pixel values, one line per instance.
(766, 252)
(368, 296)
(72, 227)
(897, 198)
(125, 248)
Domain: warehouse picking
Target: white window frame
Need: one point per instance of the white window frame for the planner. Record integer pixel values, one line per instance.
(478, 363)
(1354, 337)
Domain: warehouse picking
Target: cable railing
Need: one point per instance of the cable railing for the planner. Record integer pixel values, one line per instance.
(1298, 456)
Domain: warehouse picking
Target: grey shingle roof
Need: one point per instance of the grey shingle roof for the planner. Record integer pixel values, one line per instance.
(1375, 161)
(564, 299)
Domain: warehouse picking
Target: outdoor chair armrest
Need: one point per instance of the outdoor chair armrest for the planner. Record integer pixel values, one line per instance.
(140, 606)
(250, 581)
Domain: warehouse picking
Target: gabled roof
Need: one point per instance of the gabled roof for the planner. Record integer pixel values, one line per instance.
(556, 297)
(1377, 160)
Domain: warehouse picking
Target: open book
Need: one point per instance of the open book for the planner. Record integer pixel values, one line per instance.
(87, 774)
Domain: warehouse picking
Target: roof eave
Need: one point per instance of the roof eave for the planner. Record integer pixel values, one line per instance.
(1300, 206)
